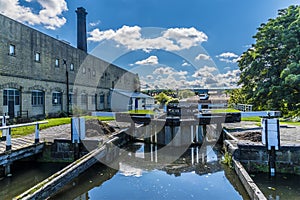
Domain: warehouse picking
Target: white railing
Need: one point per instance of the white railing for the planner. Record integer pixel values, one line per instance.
(7, 131)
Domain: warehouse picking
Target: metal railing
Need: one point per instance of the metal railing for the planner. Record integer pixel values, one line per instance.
(6, 132)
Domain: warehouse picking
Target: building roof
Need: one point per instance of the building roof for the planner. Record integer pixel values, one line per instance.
(132, 94)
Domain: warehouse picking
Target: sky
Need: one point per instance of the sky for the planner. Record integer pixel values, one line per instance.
(169, 43)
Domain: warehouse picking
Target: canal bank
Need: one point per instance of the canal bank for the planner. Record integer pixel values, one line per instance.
(251, 156)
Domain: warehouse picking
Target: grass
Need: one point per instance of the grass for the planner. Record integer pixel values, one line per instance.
(141, 112)
(258, 119)
(26, 130)
(228, 110)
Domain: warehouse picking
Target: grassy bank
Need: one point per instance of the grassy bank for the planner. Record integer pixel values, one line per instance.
(23, 131)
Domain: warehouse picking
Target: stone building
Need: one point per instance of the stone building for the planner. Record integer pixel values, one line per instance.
(42, 76)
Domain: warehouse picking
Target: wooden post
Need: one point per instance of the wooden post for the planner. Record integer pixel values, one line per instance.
(37, 135)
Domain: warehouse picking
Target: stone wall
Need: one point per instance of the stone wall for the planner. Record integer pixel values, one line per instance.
(91, 76)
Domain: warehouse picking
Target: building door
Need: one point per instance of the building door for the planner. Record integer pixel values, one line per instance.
(11, 109)
(11, 102)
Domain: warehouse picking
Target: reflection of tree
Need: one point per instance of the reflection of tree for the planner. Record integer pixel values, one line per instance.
(93, 177)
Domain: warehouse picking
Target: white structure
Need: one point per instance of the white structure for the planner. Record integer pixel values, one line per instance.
(122, 100)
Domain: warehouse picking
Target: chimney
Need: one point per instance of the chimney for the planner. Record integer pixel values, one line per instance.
(81, 29)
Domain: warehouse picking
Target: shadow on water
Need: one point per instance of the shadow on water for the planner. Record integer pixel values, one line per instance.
(26, 175)
(280, 187)
(142, 174)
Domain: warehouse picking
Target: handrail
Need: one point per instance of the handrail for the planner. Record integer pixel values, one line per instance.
(7, 131)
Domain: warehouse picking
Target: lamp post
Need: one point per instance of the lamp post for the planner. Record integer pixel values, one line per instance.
(67, 83)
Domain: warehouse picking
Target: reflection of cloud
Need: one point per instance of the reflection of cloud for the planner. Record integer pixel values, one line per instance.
(50, 14)
(202, 57)
(228, 57)
(127, 170)
(152, 60)
(173, 39)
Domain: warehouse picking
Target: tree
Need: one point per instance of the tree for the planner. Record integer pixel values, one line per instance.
(270, 69)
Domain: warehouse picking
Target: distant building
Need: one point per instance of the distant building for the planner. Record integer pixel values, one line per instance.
(41, 75)
(125, 101)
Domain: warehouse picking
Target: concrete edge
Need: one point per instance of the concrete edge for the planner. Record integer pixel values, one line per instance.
(253, 191)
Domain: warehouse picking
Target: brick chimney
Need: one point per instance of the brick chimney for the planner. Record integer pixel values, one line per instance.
(81, 29)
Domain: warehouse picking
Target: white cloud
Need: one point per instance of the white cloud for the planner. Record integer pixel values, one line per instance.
(50, 14)
(202, 57)
(185, 64)
(173, 39)
(93, 24)
(228, 57)
(152, 60)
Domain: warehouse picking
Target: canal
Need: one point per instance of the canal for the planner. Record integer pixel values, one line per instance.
(280, 187)
(26, 175)
(142, 173)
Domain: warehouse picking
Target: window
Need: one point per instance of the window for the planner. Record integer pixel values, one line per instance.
(12, 50)
(84, 99)
(94, 73)
(5, 97)
(72, 67)
(102, 98)
(70, 98)
(93, 99)
(83, 70)
(11, 95)
(37, 57)
(37, 98)
(56, 98)
(56, 62)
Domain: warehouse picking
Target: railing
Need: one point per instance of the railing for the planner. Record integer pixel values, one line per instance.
(6, 132)
(243, 107)
(23, 113)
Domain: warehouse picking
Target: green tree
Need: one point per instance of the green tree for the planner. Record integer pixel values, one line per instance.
(270, 69)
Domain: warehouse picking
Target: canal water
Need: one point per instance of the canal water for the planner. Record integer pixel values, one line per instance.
(24, 176)
(280, 187)
(141, 174)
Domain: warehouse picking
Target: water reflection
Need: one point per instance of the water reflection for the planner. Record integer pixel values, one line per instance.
(280, 187)
(197, 174)
(26, 175)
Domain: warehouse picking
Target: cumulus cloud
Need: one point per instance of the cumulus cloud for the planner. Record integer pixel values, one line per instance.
(152, 60)
(206, 77)
(228, 57)
(202, 57)
(50, 14)
(93, 24)
(185, 64)
(173, 39)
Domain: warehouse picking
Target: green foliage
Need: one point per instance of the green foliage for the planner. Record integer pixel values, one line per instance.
(227, 160)
(183, 94)
(162, 98)
(270, 69)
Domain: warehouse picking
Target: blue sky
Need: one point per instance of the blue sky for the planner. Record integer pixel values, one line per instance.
(163, 36)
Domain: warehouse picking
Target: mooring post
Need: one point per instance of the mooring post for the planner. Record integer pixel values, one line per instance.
(8, 140)
(37, 134)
